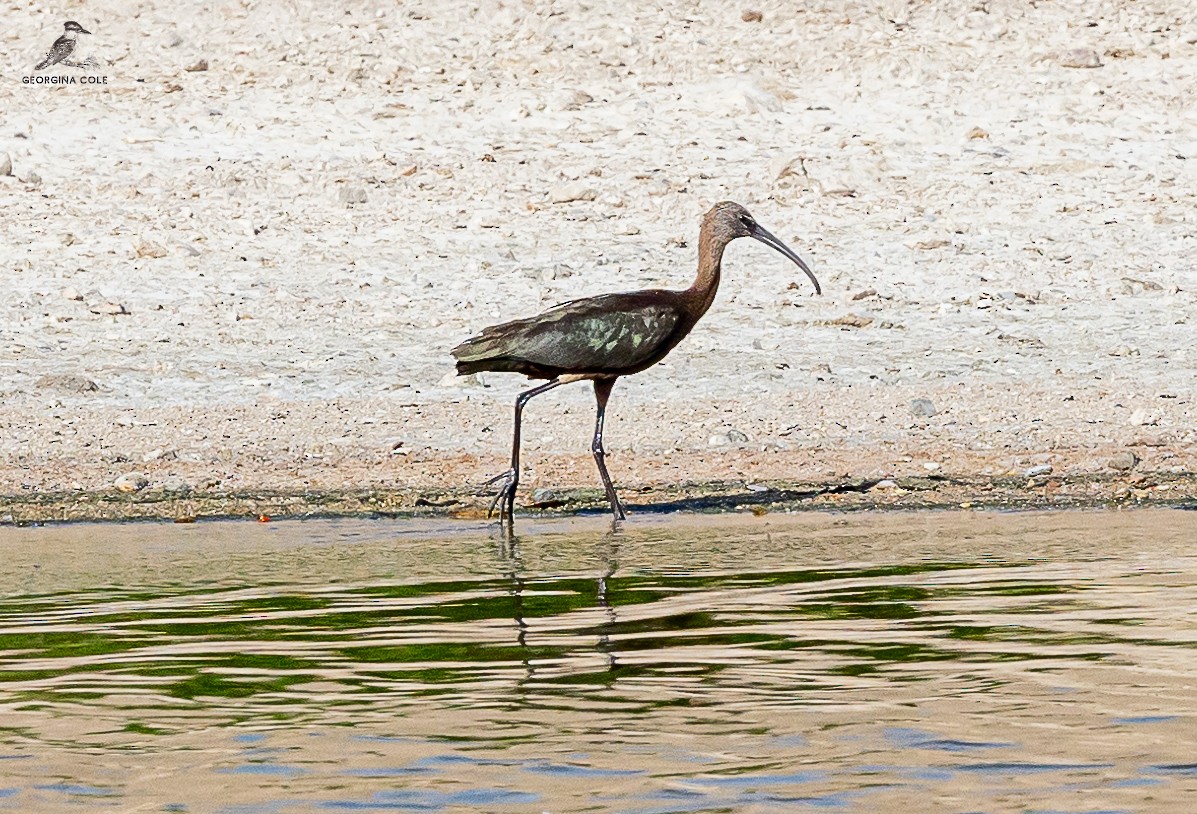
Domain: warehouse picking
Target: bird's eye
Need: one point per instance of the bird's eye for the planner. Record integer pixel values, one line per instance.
(747, 221)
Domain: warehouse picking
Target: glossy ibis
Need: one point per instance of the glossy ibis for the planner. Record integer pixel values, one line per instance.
(602, 338)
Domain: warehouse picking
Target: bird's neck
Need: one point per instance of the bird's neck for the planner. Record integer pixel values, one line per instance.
(702, 291)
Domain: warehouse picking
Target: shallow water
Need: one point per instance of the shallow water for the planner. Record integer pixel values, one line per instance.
(953, 662)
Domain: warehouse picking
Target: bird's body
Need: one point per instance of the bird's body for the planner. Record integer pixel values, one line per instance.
(602, 338)
(64, 46)
(607, 335)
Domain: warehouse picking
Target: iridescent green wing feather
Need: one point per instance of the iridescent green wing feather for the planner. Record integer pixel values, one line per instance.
(597, 334)
(611, 332)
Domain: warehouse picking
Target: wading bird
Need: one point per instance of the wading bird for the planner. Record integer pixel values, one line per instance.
(602, 338)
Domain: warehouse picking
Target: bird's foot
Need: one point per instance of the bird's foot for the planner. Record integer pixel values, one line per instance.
(617, 511)
(505, 497)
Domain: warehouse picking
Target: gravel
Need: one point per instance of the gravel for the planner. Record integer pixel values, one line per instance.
(250, 319)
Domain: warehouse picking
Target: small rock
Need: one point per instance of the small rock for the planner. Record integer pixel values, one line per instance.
(160, 454)
(202, 65)
(559, 271)
(1079, 58)
(451, 379)
(657, 188)
(1123, 461)
(887, 483)
(851, 321)
(435, 501)
(863, 295)
(976, 133)
(923, 408)
(108, 308)
(66, 382)
(131, 482)
(147, 248)
(729, 437)
(176, 485)
(5, 164)
(1144, 418)
(351, 195)
(489, 218)
(72, 293)
(937, 243)
(574, 191)
(1035, 471)
(751, 16)
(931, 466)
(1132, 285)
(570, 99)
(546, 499)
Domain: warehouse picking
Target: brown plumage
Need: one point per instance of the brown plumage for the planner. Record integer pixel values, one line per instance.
(604, 337)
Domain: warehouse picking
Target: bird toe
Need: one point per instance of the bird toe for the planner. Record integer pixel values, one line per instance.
(504, 498)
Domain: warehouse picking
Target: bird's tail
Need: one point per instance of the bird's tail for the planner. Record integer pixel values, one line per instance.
(496, 349)
(42, 64)
(466, 368)
(477, 354)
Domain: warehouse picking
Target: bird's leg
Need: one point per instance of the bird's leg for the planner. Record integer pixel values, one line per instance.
(602, 391)
(509, 480)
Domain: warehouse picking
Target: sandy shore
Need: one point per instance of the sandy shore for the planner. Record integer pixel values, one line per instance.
(244, 279)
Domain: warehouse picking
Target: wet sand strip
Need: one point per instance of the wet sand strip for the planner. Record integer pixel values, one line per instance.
(853, 494)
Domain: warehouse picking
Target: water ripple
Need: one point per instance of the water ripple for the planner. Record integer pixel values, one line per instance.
(769, 664)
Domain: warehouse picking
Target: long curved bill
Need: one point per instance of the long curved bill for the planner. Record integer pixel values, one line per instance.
(763, 235)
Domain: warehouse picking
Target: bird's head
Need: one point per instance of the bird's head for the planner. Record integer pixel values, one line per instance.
(727, 221)
(74, 28)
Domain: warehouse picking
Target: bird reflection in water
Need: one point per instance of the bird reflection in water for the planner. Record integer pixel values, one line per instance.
(509, 556)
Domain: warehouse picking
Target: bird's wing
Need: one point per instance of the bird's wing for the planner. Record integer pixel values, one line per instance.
(60, 50)
(605, 333)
